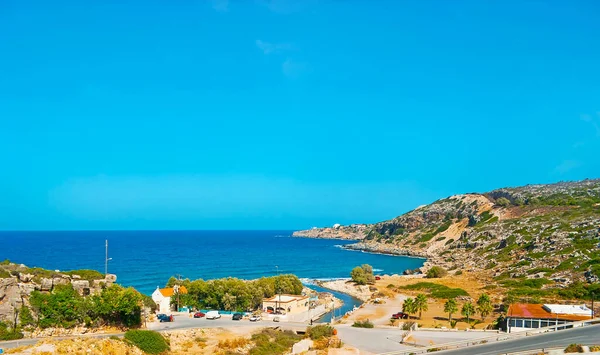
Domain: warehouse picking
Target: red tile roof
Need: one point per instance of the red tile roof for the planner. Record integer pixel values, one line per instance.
(168, 292)
(521, 310)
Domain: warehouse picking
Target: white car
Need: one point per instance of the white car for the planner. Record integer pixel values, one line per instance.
(255, 318)
(213, 315)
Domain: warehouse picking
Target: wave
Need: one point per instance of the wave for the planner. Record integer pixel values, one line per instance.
(377, 270)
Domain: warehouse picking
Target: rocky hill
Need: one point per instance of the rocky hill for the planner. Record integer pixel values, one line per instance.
(18, 281)
(546, 232)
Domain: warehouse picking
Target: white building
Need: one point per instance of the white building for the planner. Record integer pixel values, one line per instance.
(162, 297)
(522, 317)
(337, 225)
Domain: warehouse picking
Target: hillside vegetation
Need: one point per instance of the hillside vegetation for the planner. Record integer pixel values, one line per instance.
(540, 241)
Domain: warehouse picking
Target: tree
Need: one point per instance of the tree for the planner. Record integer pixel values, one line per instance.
(450, 307)
(503, 202)
(421, 304)
(408, 306)
(484, 306)
(468, 310)
(436, 272)
(358, 275)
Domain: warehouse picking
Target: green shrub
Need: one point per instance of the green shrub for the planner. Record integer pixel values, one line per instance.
(148, 341)
(459, 272)
(363, 324)
(436, 290)
(503, 202)
(362, 274)
(436, 272)
(319, 331)
(9, 334)
(25, 316)
(273, 342)
(4, 274)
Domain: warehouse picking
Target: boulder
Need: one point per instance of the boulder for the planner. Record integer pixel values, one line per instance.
(25, 277)
(60, 281)
(110, 278)
(302, 346)
(46, 284)
(76, 277)
(80, 285)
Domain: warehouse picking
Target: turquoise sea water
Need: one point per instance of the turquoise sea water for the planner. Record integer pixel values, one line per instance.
(146, 259)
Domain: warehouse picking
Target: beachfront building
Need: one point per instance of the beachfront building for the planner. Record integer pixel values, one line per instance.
(162, 297)
(286, 304)
(522, 317)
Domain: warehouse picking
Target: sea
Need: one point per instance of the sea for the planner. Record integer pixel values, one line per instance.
(147, 259)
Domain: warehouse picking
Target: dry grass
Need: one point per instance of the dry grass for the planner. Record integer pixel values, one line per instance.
(232, 344)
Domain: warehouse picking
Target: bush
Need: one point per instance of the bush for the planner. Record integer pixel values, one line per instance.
(436, 290)
(363, 324)
(148, 341)
(362, 274)
(574, 348)
(436, 272)
(503, 202)
(272, 342)
(9, 334)
(319, 331)
(25, 316)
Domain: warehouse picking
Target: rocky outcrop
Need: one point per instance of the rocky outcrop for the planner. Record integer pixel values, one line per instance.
(15, 290)
(351, 232)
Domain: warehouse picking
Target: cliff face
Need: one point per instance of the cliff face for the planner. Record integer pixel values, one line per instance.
(18, 281)
(536, 231)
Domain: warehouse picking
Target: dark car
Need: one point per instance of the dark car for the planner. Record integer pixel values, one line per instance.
(237, 316)
(399, 315)
(199, 315)
(164, 318)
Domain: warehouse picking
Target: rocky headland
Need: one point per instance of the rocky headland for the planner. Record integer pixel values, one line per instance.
(547, 232)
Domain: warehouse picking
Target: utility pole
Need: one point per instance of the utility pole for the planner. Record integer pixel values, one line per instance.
(176, 289)
(277, 290)
(106, 259)
(593, 314)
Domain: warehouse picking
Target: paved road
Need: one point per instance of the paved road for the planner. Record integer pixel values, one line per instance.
(181, 322)
(589, 335)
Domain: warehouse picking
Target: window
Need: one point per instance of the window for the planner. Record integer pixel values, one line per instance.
(519, 323)
(528, 324)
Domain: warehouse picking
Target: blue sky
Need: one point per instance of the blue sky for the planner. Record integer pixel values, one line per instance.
(286, 114)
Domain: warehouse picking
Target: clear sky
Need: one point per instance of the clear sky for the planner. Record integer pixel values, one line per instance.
(286, 114)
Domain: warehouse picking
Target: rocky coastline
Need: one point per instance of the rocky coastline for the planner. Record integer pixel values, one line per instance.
(352, 232)
(380, 248)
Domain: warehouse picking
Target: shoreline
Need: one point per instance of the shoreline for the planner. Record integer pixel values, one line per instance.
(388, 253)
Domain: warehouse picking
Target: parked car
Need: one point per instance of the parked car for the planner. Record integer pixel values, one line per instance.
(237, 316)
(255, 318)
(377, 278)
(400, 315)
(276, 319)
(213, 315)
(164, 318)
(199, 315)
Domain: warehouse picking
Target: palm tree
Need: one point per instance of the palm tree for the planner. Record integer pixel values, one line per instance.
(408, 306)
(421, 304)
(450, 307)
(484, 306)
(468, 310)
